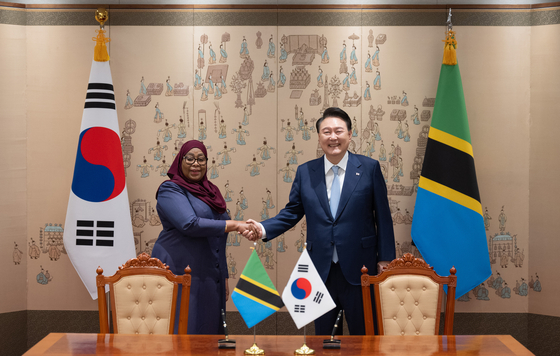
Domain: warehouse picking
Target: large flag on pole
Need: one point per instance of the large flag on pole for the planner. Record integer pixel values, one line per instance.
(255, 296)
(305, 295)
(448, 227)
(98, 229)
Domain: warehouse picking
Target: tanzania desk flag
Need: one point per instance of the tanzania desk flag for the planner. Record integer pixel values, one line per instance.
(305, 295)
(448, 228)
(255, 296)
(98, 229)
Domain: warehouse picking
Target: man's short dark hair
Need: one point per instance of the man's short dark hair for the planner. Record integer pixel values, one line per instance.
(335, 112)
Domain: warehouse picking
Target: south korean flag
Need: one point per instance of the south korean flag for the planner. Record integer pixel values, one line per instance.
(98, 229)
(305, 295)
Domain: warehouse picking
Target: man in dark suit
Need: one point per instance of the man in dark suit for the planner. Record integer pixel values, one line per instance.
(349, 222)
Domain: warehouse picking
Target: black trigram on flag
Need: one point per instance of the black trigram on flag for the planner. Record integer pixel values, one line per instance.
(318, 297)
(303, 268)
(100, 95)
(101, 231)
(299, 308)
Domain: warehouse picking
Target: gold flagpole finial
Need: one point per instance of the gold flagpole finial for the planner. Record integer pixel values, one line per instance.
(100, 51)
(101, 15)
(449, 53)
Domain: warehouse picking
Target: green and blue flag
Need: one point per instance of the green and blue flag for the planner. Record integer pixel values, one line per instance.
(255, 296)
(448, 225)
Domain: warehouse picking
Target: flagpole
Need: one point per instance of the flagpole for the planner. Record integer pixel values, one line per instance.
(304, 349)
(254, 350)
(306, 297)
(98, 229)
(444, 208)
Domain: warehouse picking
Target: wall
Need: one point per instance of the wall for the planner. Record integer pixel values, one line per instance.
(544, 166)
(13, 187)
(14, 168)
(505, 57)
(283, 116)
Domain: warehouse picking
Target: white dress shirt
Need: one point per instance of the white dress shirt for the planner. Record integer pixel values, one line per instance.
(329, 173)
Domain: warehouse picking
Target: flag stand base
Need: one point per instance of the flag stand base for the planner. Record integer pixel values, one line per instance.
(304, 350)
(254, 350)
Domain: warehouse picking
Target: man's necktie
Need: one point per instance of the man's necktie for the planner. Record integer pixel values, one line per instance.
(335, 199)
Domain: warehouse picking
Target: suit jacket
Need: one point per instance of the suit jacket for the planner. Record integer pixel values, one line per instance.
(362, 229)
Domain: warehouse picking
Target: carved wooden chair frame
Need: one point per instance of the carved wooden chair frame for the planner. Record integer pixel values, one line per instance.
(408, 264)
(144, 265)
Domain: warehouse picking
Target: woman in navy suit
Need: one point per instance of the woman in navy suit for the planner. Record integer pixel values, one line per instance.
(195, 227)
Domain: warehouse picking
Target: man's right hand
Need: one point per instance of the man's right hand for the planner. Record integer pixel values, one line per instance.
(255, 228)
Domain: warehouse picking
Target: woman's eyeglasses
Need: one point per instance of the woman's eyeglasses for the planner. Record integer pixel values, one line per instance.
(190, 160)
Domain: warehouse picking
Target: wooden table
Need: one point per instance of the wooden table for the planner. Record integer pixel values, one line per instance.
(110, 344)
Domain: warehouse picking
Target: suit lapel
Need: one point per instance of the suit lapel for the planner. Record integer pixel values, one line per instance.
(317, 176)
(351, 179)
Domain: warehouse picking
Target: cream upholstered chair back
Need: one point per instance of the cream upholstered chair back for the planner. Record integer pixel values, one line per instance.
(408, 298)
(143, 295)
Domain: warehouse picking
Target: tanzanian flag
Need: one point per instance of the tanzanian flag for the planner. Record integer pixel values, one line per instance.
(255, 296)
(448, 228)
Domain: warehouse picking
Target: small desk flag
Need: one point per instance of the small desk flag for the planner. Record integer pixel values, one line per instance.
(255, 296)
(98, 229)
(305, 295)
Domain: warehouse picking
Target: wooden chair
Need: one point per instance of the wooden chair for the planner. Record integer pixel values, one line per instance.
(408, 298)
(143, 294)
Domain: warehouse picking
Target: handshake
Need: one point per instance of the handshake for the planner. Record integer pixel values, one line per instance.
(250, 229)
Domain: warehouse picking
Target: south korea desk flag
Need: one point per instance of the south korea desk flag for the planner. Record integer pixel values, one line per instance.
(305, 295)
(98, 229)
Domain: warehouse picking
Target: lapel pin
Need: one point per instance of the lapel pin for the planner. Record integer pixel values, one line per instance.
(357, 173)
